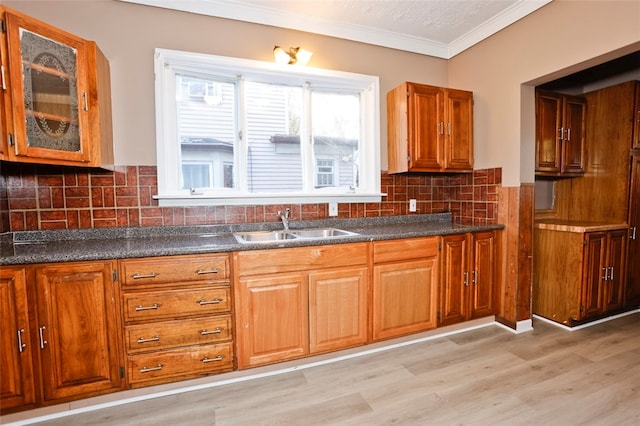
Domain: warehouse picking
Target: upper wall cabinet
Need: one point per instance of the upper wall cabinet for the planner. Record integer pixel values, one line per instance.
(56, 96)
(430, 129)
(560, 134)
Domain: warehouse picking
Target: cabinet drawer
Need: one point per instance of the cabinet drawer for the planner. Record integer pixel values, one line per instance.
(170, 334)
(173, 269)
(259, 262)
(411, 248)
(191, 361)
(168, 304)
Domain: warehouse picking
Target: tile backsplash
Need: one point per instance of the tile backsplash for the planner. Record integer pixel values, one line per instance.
(34, 197)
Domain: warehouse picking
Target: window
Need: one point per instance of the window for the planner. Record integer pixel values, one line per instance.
(234, 131)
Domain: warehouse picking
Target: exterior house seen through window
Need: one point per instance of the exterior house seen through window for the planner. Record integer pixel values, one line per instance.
(233, 131)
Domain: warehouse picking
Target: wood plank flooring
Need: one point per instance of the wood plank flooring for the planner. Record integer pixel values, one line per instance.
(488, 376)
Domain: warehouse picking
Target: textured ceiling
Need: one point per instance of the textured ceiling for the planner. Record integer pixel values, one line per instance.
(441, 28)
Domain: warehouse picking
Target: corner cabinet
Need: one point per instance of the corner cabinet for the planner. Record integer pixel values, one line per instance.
(292, 302)
(469, 277)
(56, 96)
(405, 285)
(429, 129)
(580, 270)
(560, 134)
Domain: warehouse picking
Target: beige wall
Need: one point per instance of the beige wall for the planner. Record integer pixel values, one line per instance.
(562, 37)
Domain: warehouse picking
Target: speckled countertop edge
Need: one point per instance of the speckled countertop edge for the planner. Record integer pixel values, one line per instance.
(29, 247)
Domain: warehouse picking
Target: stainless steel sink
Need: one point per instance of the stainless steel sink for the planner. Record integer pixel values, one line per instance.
(263, 236)
(321, 233)
(293, 234)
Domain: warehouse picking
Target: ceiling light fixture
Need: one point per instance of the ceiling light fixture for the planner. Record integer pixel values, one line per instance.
(295, 55)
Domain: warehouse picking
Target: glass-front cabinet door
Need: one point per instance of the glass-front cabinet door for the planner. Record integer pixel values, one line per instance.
(50, 97)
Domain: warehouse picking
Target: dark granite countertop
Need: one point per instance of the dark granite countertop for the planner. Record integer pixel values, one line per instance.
(19, 248)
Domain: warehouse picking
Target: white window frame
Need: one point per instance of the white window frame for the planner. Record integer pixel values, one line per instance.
(169, 62)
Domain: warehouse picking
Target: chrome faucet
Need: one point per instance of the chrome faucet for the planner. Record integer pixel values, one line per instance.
(285, 218)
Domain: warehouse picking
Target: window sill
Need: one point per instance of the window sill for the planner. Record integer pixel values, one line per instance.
(205, 200)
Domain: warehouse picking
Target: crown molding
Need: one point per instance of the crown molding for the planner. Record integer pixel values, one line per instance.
(301, 22)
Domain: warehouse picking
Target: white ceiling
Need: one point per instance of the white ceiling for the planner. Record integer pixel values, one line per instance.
(441, 28)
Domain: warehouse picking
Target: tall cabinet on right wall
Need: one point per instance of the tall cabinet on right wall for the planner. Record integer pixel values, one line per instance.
(633, 276)
(608, 193)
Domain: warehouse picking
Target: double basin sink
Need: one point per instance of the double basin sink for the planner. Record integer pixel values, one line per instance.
(289, 235)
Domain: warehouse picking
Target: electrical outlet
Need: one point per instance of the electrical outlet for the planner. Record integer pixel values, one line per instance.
(333, 209)
(412, 205)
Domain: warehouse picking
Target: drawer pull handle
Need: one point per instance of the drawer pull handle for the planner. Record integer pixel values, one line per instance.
(147, 308)
(150, 339)
(215, 331)
(139, 276)
(215, 301)
(207, 359)
(147, 369)
(206, 271)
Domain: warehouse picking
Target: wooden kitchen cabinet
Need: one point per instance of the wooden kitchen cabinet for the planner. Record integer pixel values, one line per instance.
(273, 319)
(338, 308)
(405, 282)
(77, 329)
(580, 270)
(291, 302)
(429, 129)
(632, 291)
(56, 96)
(17, 380)
(560, 134)
(177, 313)
(467, 285)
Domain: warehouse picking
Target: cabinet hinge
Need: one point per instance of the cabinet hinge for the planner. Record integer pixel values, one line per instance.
(440, 246)
(10, 137)
(438, 315)
(3, 26)
(115, 275)
(121, 372)
(408, 158)
(584, 243)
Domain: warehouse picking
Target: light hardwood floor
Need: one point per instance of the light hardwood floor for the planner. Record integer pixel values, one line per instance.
(488, 376)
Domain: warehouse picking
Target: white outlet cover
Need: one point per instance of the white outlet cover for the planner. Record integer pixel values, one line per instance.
(333, 209)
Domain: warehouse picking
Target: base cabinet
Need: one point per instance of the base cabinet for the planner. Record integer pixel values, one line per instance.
(291, 302)
(467, 285)
(580, 272)
(177, 314)
(405, 281)
(60, 333)
(77, 329)
(17, 381)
